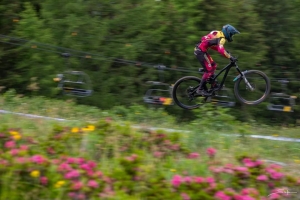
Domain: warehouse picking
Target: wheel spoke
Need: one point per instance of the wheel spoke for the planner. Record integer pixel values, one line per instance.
(183, 92)
(260, 84)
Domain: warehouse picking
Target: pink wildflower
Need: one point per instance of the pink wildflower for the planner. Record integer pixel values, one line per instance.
(77, 185)
(229, 166)
(228, 171)
(21, 160)
(271, 185)
(44, 180)
(85, 167)
(212, 185)
(108, 119)
(55, 161)
(176, 181)
(222, 196)
(230, 190)
(246, 160)
(175, 147)
(71, 160)
(107, 192)
(187, 179)
(244, 171)
(14, 152)
(81, 196)
(24, 147)
(274, 196)
(240, 197)
(131, 158)
(38, 159)
(90, 173)
(50, 150)
(248, 191)
(270, 170)
(80, 161)
(199, 179)
(185, 196)
(72, 174)
(72, 194)
(277, 175)
(241, 169)
(93, 184)
(211, 152)
(210, 180)
(91, 164)
(64, 167)
(10, 144)
(216, 169)
(275, 166)
(98, 174)
(249, 163)
(158, 154)
(193, 155)
(107, 179)
(262, 178)
(3, 162)
(259, 162)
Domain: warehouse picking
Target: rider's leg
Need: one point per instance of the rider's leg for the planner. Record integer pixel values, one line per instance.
(206, 62)
(212, 66)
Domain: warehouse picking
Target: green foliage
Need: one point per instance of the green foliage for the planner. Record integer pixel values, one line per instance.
(158, 32)
(213, 117)
(90, 162)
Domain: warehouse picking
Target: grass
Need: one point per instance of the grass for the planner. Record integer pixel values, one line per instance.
(228, 147)
(203, 133)
(103, 145)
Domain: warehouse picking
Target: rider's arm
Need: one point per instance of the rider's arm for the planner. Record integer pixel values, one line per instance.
(220, 48)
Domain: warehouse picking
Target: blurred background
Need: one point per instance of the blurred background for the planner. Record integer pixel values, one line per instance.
(117, 47)
(93, 80)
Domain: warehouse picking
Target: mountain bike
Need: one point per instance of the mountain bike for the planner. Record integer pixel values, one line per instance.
(250, 87)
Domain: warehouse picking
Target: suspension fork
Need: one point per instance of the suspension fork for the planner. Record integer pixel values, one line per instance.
(242, 75)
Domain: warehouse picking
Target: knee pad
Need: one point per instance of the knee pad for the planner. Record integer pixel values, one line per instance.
(214, 66)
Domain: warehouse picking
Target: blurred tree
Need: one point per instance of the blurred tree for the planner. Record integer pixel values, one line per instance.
(36, 68)
(155, 32)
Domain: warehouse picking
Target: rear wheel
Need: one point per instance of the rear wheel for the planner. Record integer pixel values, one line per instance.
(253, 89)
(184, 90)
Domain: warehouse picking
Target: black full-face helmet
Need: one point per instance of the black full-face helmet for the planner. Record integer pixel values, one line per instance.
(229, 31)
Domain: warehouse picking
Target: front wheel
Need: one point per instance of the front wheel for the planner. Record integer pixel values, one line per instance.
(183, 93)
(253, 88)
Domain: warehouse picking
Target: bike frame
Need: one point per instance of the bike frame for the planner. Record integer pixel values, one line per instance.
(226, 69)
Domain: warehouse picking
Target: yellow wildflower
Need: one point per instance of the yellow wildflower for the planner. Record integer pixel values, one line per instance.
(14, 132)
(275, 135)
(75, 130)
(297, 161)
(91, 127)
(35, 173)
(58, 184)
(88, 128)
(17, 137)
(173, 170)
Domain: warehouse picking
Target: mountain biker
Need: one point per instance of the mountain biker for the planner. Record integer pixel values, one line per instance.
(214, 40)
